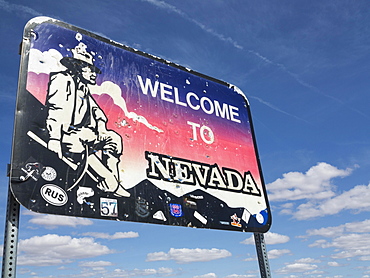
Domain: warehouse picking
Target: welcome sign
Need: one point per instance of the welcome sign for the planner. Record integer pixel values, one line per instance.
(105, 131)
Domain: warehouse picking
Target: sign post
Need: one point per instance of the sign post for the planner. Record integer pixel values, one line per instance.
(106, 131)
(10, 237)
(263, 261)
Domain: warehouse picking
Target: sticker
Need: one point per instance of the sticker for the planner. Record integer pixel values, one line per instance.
(84, 192)
(49, 174)
(197, 197)
(190, 203)
(262, 217)
(141, 207)
(108, 207)
(246, 215)
(32, 170)
(200, 217)
(235, 221)
(54, 194)
(176, 210)
(159, 215)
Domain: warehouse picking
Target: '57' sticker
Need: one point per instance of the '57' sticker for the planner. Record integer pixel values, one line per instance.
(108, 207)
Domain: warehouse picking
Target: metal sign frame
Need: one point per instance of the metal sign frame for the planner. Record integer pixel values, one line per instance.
(106, 131)
(68, 156)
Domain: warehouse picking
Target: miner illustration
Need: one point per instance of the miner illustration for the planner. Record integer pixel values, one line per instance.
(77, 125)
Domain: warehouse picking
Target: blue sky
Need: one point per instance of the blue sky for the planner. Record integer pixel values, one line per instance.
(304, 67)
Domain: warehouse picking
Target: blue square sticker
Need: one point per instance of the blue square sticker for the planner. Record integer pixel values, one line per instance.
(176, 210)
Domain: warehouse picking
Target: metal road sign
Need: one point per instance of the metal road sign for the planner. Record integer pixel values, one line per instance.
(105, 131)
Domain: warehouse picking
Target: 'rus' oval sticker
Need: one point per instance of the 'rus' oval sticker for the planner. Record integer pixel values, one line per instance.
(54, 194)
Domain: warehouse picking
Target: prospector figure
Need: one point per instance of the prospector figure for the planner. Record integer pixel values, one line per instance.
(77, 125)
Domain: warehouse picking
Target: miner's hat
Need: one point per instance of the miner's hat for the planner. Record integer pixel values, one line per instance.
(81, 58)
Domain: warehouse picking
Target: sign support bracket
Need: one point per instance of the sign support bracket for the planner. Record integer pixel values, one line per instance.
(10, 237)
(262, 255)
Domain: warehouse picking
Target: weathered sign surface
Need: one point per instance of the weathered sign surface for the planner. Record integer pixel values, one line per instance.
(106, 131)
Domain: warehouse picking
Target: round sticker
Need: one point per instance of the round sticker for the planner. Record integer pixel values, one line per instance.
(260, 218)
(54, 195)
(49, 174)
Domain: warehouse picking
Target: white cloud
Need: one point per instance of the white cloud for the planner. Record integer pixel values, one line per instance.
(53, 221)
(357, 198)
(296, 267)
(314, 184)
(114, 91)
(358, 227)
(186, 255)
(240, 276)
(118, 235)
(250, 258)
(326, 232)
(94, 264)
(320, 195)
(162, 271)
(301, 265)
(270, 238)
(352, 245)
(208, 275)
(102, 272)
(348, 240)
(315, 272)
(307, 260)
(334, 264)
(319, 243)
(277, 253)
(54, 249)
(165, 271)
(45, 62)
